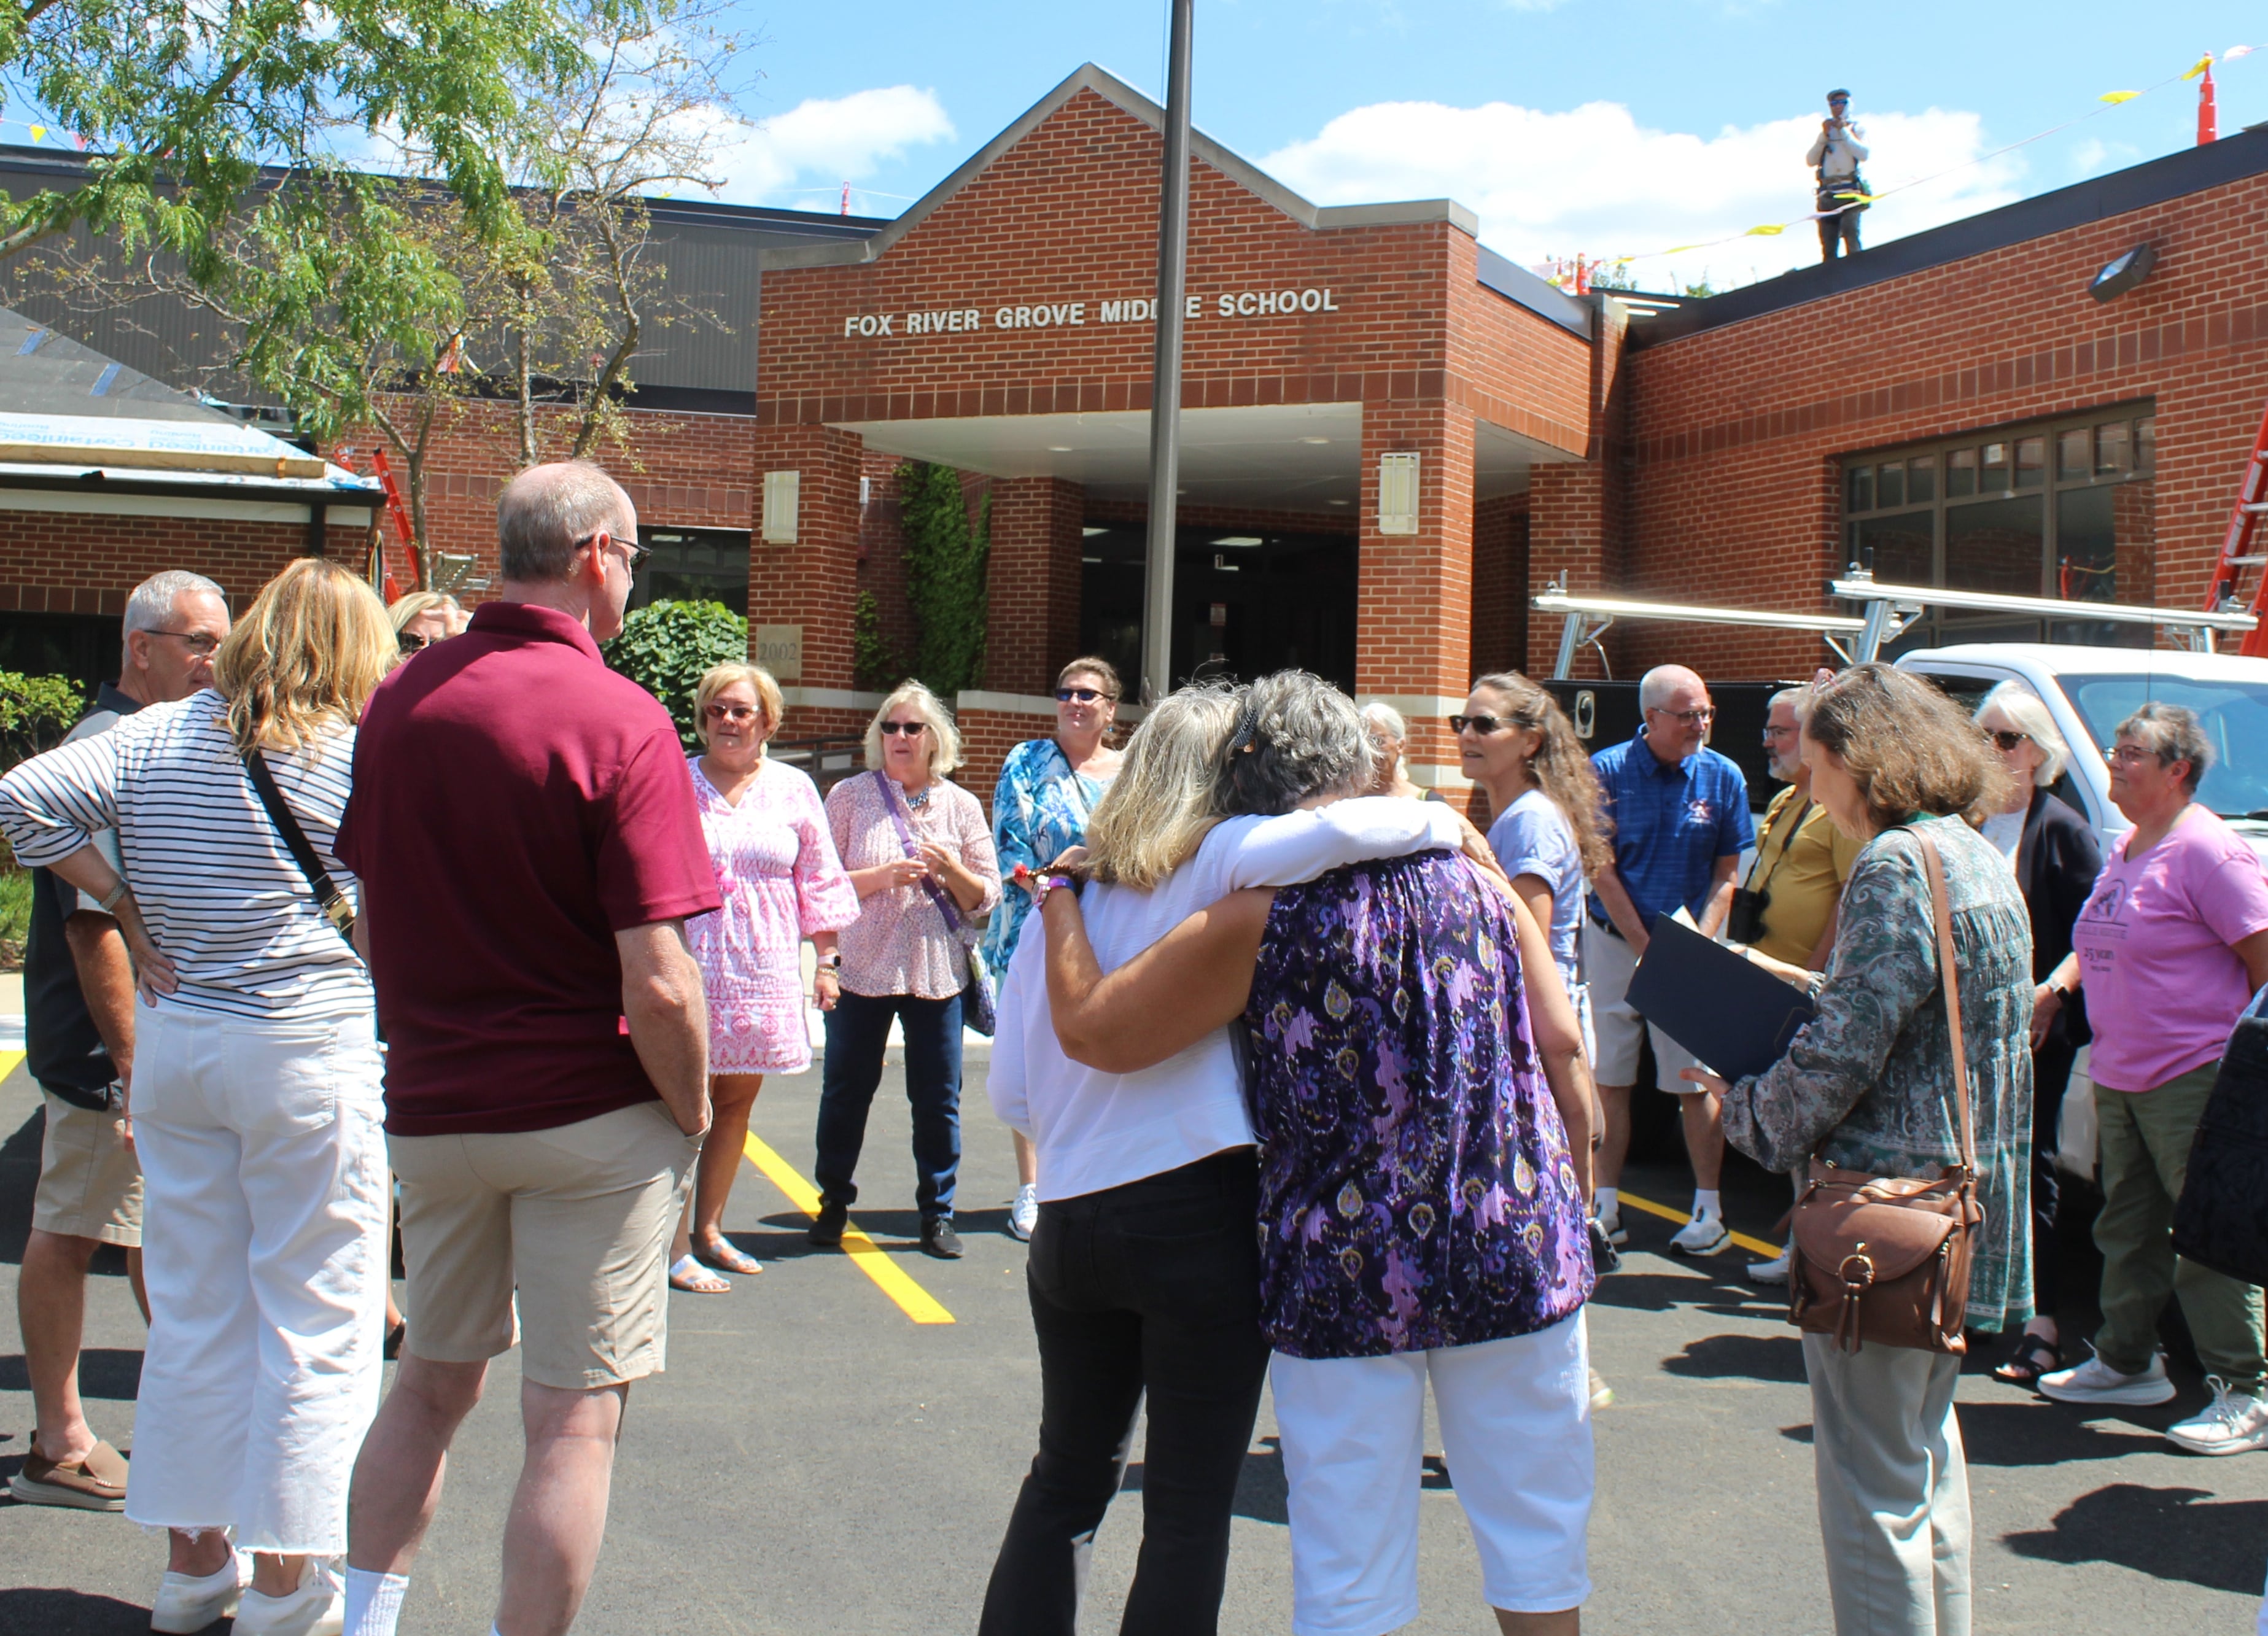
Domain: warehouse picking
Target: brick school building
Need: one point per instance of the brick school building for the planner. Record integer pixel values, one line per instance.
(1393, 437)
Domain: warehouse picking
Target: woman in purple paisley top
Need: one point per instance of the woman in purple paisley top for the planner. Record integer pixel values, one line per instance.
(1423, 1112)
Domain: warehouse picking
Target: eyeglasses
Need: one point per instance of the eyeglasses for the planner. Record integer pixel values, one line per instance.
(1483, 725)
(2009, 740)
(909, 728)
(633, 552)
(732, 712)
(412, 643)
(1787, 732)
(203, 643)
(1691, 718)
(1083, 696)
(2129, 754)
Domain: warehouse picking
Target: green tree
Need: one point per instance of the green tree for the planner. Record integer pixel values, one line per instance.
(35, 713)
(945, 553)
(665, 646)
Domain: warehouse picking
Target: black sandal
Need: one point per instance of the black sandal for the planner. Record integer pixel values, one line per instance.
(2035, 1355)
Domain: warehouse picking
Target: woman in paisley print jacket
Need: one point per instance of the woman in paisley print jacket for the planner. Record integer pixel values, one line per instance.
(1868, 1085)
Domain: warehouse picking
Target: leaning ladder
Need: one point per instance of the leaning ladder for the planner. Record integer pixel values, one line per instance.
(2236, 552)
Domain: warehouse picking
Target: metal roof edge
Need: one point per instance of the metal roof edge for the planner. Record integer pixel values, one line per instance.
(1400, 213)
(1547, 301)
(2099, 198)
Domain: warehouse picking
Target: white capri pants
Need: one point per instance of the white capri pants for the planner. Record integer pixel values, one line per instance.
(264, 1251)
(1516, 1429)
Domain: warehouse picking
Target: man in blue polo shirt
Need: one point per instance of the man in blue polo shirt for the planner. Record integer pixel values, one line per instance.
(1681, 817)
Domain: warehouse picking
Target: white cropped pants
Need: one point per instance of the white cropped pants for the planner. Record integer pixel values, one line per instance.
(264, 1251)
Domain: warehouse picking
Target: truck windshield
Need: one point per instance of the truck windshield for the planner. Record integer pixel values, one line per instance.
(2233, 715)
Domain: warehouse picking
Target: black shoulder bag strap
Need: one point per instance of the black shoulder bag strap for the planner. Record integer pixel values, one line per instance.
(328, 898)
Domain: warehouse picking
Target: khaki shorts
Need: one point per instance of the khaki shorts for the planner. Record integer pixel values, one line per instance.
(89, 1181)
(1607, 962)
(579, 1217)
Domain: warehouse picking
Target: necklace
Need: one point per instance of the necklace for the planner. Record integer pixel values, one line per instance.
(917, 800)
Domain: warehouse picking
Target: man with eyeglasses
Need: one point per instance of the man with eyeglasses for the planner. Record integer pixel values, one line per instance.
(78, 1040)
(525, 830)
(1681, 818)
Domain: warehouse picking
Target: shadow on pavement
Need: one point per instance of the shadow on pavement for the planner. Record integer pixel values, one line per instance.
(1261, 1495)
(2162, 1532)
(19, 1175)
(1730, 1297)
(108, 1372)
(41, 1612)
(1747, 1356)
(2047, 1433)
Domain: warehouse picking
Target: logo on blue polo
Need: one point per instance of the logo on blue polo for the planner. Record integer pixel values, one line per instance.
(1700, 811)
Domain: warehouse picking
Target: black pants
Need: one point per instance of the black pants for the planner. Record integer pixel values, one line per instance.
(1150, 1287)
(1838, 231)
(2050, 1074)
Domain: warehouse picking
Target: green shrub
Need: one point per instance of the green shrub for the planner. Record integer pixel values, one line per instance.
(946, 558)
(35, 713)
(15, 917)
(666, 646)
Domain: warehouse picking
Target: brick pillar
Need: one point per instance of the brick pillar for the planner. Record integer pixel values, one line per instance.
(1415, 603)
(1575, 510)
(1500, 584)
(1034, 582)
(811, 584)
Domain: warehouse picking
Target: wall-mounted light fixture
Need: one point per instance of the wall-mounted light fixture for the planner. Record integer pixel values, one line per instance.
(1398, 493)
(2115, 278)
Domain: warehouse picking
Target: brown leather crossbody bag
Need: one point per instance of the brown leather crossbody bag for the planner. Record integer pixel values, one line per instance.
(1887, 1258)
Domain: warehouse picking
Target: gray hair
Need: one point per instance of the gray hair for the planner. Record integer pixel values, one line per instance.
(547, 512)
(1297, 737)
(150, 605)
(2170, 733)
(2023, 707)
(1793, 697)
(1655, 686)
(1381, 718)
(943, 737)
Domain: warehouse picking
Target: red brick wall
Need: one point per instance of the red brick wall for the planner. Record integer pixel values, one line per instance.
(1735, 431)
(1034, 582)
(79, 563)
(1500, 584)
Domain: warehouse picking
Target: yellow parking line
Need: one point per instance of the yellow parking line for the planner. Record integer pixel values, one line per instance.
(1755, 1246)
(915, 1301)
(8, 1063)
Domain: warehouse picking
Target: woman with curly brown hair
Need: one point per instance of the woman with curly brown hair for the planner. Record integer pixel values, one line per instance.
(255, 1095)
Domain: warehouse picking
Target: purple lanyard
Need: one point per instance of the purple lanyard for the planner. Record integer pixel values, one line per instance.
(890, 799)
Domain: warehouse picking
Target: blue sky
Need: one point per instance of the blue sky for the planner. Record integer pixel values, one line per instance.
(1605, 126)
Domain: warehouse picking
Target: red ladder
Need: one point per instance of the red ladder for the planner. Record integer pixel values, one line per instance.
(408, 535)
(2236, 553)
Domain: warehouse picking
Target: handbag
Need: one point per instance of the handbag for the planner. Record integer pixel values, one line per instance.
(979, 996)
(1887, 1259)
(2222, 1218)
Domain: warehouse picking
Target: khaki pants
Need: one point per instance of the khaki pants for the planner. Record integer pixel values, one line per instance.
(2146, 1154)
(1893, 1488)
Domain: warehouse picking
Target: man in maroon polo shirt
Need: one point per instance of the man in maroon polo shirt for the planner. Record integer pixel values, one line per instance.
(525, 831)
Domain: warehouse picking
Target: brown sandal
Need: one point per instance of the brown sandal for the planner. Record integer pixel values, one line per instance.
(2035, 1355)
(95, 1483)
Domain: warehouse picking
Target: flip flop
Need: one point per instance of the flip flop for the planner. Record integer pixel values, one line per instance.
(726, 1257)
(2035, 1356)
(695, 1279)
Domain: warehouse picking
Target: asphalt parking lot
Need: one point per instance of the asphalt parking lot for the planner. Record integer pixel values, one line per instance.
(816, 1461)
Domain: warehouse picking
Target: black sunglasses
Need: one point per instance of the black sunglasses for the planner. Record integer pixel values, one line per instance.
(906, 727)
(1481, 724)
(2009, 740)
(412, 643)
(1084, 696)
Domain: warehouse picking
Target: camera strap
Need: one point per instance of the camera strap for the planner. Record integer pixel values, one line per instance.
(1802, 811)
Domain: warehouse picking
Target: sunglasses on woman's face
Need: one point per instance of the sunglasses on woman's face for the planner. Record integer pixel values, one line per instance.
(732, 712)
(1083, 696)
(1481, 724)
(412, 643)
(909, 728)
(2009, 740)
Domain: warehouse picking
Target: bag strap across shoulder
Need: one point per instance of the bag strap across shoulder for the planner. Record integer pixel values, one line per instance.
(1941, 909)
(328, 898)
(955, 920)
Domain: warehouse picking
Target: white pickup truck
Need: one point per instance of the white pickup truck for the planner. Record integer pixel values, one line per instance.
(2090, 691)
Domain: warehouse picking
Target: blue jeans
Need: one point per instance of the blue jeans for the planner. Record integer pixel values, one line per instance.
(857, 1030)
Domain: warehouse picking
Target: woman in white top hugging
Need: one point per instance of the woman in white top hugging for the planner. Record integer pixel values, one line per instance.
(1143, 1274)
(256, 1095)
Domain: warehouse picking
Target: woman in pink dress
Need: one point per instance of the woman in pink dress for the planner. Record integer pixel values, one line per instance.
(781, 882)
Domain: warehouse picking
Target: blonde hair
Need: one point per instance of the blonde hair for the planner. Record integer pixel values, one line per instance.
(1161, 806)
(308, 652)
(2023, 706)
(1908, 745)
(1560, 767)
(406, 608)
(943, 737)
(716, 677)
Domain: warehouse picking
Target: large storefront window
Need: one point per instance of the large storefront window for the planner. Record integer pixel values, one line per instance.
(2062, 509)
(694, 565)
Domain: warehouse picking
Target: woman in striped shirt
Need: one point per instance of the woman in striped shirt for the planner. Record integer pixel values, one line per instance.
(256, 1095)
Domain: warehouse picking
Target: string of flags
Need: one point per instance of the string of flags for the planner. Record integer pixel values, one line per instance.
(41, 133)
(1577, 273)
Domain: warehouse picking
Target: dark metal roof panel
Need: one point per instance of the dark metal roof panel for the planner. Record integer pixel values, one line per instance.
(1516, 284)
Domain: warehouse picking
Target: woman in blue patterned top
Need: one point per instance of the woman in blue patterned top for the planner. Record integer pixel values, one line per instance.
(1867, 1084)
(1047, 791)
(1424, 1114)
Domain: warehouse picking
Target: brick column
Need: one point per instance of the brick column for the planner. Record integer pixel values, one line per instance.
(814, 583)
(1414, 616)
(1034, 582)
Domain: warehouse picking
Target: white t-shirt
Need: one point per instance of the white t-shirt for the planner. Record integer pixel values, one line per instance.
(1095, 1130)
(2006, 831)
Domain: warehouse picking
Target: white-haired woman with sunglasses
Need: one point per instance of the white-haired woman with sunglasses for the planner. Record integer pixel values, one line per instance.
(921, 860)
(2056, 858)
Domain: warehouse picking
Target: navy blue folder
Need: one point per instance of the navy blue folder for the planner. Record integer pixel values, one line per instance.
(1736, 1017)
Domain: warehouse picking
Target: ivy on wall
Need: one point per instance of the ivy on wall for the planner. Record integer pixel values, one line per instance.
(944, 557)
(875, 665)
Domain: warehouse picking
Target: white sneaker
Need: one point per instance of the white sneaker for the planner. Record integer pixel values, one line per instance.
(1611, 1221)
(1773, 1272)
(1704, 1235)
(189, 1602)
(1024, 1214)
(2233, 1424)
(1602, 1393)
(2096, 1381)
(317, 1608)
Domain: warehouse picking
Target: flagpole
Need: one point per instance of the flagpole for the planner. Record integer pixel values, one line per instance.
(1165, 367)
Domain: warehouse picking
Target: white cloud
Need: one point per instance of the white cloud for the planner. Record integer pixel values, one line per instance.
(1593, 180)
(824, 142)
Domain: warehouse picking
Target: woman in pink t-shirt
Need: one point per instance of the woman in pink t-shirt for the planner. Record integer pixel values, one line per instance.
(2172, 945)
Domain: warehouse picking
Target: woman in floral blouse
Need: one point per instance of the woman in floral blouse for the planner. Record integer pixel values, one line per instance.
(1423, 1113)
(1047, 791)
(1867, 1084)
